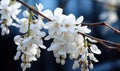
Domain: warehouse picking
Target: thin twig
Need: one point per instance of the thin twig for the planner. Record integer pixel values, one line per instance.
(103, 24)
(104, 42)
(109, 46)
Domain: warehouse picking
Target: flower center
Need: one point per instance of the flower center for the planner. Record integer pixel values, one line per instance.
(67, 25)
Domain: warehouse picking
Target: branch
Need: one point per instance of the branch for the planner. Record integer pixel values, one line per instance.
(34, 10)
(103, 42)
(101, 23)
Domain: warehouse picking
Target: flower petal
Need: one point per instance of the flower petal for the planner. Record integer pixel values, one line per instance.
(48, 13)
(92, 57)
(95, 49)
(79, 20)
(42, 46)
(58, 11)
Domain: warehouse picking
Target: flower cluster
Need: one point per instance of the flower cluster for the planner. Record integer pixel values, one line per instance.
(66, 40)
(63, 29)
(29, 43)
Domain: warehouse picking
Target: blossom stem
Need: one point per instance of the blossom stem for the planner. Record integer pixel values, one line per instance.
(30, 20)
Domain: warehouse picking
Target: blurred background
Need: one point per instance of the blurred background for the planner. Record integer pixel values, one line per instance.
(93, 11)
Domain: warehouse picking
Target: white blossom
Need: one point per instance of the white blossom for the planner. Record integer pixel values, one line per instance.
(68, 24)
(8, 11)
(15, 10)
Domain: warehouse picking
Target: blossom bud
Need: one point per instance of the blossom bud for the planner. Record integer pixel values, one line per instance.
(19, 48)
(83, 58)
(23, 66)
(38, 55)
(22, 57)
(17, 39)
(95, 49)
(28, 65)
(3, 31)
(75, 65)
(92, 57)
(2, 26)
(17, 55)
(91, 66)
(62, 61)
(7, 31)
(58, 60)
(85, 50)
